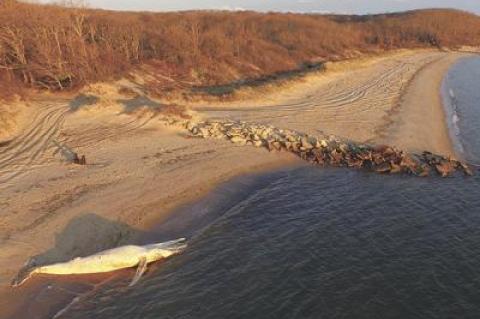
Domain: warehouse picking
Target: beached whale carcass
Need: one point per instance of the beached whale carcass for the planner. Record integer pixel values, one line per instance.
(109, 260)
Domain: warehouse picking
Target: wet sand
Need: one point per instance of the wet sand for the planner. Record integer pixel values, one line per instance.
(419, 122)
(139, 170)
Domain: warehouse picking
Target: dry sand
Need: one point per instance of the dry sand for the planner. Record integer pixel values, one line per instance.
(12, 119)
(139, 170)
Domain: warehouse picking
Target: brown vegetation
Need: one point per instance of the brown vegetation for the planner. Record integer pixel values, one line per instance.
(58, 48)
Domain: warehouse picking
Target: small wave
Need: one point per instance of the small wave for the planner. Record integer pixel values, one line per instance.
(452, 94)
(65, 309)
(455, 120)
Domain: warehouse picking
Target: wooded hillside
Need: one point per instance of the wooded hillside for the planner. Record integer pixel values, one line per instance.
(56, 48)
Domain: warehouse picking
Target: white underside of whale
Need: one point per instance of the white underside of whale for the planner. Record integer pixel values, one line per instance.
(111, 260)
(105, 261)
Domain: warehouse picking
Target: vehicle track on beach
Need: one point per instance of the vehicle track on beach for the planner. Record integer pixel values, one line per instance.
(92, 133)
(359, 100)
(356, 105)
(40, 141)
(29, 149)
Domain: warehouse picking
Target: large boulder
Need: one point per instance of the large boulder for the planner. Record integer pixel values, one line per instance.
(238, 140)
(306, 145)
(445, 168)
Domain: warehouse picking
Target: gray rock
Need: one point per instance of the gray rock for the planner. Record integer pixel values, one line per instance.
(291, 138)
(258, 143)
(204, 132)
(305, 144)
(277, 145)
(191, 125)
(287, 145)
(264, 134)
(238, 140)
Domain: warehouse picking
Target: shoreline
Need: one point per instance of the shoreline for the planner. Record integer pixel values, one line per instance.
(420, 120)
(451, 110)
(189, 170)
(13, 302)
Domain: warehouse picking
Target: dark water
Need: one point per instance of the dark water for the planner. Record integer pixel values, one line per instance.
(461, 90)
(322, 243)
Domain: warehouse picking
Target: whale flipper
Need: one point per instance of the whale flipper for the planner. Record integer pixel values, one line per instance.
(142, 267)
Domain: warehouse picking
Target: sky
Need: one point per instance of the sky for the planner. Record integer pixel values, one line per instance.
(321, 6)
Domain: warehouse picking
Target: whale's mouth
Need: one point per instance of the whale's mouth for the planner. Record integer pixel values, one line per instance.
(175, 246)
(179, 249)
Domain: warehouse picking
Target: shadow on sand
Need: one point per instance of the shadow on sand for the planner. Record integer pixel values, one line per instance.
(130, 105)
(85, 236)
(43, 296)
(82, 100)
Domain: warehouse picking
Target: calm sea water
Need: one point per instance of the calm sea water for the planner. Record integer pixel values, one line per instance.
(461, 89)
(323, 243)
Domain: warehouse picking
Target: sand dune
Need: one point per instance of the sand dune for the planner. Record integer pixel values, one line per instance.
(139, 169)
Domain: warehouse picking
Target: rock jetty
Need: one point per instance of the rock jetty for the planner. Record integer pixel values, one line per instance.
(329, 151)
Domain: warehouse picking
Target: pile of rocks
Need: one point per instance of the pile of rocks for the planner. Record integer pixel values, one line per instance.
(328, 151)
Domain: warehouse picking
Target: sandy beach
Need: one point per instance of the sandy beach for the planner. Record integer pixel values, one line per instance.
(139, 170)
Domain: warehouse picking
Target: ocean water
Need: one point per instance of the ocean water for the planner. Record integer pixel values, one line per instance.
(323, 243)
(461, 90)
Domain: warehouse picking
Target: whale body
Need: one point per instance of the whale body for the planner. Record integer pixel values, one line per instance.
(110, 260)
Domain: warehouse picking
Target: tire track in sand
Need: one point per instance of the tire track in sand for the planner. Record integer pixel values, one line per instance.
(353, 105)
(28, 150)
(35, 147)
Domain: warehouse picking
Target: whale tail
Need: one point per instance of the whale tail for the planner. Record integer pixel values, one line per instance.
(24, 274)
(20, 280)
